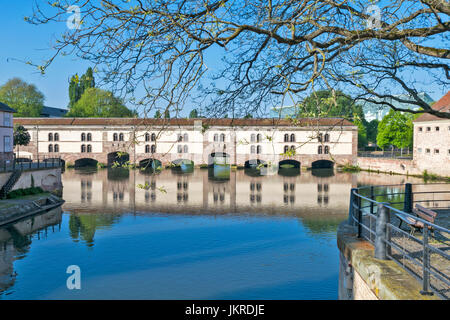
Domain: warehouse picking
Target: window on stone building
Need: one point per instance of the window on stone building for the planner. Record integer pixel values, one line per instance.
(292, 137)
(286, 149)
(50, 148)
(216, 137)
(326, 150)
(115, 137)
(153, 138)
(252, 137)
(252, 149)
(7, 145)
(147, 148)
(427, 150)
(180, 149)
(428, 128)
(185, 148)
(222, 137)
(286, 138)
(437, 128)
(436, 151)
(121, 138)
(7, 119)
(420, 129)
(320, 150)
(50, 137)
(327, 138)
(89, 148)
(258, 138)
(419, 150)
(56, 137)
(186, 137)
(89, 137)
(147, 137)
(179, 138)
(56, 148)
(83, 136)
(83, 148)
(153, 148)
(320, 137)
(258, 149)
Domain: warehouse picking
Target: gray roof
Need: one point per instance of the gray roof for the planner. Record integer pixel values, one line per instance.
(50, 112)
(5, 108)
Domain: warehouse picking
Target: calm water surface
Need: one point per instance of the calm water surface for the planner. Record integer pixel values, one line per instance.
(184, 236)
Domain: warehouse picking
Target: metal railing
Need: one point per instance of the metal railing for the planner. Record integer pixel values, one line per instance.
(423, 257)
(386, 154)
(23, 164)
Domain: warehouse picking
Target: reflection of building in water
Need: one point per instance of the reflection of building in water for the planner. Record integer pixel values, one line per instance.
(194, 192)
(15, 240)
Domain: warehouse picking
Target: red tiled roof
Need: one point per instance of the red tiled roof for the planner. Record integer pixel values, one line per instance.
(442, 105)
(183, 122)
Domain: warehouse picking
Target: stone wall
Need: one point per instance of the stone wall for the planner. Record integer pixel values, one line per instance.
(401, 166)
(47, 179)
(362, 277)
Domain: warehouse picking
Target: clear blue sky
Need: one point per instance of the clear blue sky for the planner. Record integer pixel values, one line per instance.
(23, 41)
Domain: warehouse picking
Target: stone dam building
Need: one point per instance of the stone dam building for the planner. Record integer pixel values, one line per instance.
(305, 143)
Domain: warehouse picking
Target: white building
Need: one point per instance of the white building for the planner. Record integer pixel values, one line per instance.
(202, 141)
(432, 140)
(6, 133)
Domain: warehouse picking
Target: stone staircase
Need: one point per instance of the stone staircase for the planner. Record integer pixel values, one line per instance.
(10, 183)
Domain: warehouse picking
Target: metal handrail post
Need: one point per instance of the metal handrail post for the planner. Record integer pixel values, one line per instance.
(351, 208)
(408, 201)
(372, 196)
(381, 235)
(358, 203)
(426, 264)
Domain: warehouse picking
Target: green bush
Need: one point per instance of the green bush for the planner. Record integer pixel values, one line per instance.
(24, 192)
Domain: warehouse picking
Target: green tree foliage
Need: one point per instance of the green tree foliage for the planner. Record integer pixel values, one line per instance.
(362, 133)
(396, 129)
(248, 116)
(372, 130)
(157, 115)
(25, 98)
(98, 103)
(21, 137)
(193, 114)
(77, 85)
(167, 114)
(324, 103)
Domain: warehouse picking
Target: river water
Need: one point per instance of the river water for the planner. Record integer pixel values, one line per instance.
(184, 235)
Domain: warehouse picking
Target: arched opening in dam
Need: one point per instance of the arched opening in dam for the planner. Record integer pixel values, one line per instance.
(118, 158)
(85, 162)
(322, 164)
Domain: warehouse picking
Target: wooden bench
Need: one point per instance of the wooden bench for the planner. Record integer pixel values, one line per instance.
(421, 212)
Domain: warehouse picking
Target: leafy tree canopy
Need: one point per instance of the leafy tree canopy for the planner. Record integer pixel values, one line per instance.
(326, 103)
(25, 98)
(396, 129)
(21, 136)
(78, 85)
(98, 103)
(193, 114)
(157, 115)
